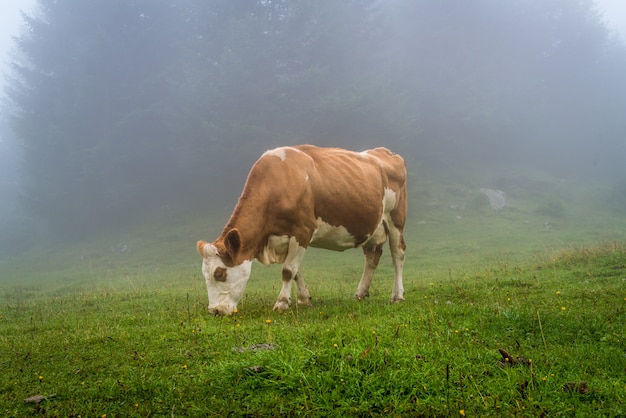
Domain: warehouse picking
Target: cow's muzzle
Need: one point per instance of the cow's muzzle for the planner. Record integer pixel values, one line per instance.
(221, 310)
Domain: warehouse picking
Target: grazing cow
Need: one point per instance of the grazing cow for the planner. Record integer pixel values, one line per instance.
(304, 195)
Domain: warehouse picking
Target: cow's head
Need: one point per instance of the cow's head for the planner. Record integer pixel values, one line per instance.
(225, 280)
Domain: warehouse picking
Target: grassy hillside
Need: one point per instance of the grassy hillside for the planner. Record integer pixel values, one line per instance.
(516, 312)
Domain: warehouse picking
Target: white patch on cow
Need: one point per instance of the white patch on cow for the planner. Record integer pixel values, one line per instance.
(306, 177)
(275, 250)
(277, 152)
(389, 200)
(379, 235)
(332, 237)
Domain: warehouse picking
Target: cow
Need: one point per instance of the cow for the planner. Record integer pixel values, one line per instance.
(301, 196)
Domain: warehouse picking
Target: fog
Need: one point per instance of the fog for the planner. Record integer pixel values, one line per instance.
(115, 111)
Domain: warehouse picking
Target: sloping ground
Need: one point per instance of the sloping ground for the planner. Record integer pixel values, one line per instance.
(134, 343)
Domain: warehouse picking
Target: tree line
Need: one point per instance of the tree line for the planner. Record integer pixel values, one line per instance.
(120, 107)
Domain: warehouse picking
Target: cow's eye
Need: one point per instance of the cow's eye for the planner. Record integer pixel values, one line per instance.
(220, 274)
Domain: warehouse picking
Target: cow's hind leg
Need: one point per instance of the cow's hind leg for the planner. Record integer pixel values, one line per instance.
(397, 247)
(372, 257)
(304, 298)
(294, 258)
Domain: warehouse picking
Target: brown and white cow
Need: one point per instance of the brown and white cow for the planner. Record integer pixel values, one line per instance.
(303, 196)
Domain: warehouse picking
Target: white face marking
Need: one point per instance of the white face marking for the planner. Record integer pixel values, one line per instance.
(223, 295)
(332, 237)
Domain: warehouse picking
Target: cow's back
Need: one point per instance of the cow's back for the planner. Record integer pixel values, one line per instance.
(349, 187)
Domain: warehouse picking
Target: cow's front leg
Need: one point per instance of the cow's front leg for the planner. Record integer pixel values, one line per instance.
(295, 254)
(284, 297)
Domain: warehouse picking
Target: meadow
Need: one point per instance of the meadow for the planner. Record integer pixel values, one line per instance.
(520, 312)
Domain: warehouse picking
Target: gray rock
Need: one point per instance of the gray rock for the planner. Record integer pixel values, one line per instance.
(497, 198)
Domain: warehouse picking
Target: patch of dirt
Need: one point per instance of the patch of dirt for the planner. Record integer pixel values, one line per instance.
(508, 360)
(576, 387)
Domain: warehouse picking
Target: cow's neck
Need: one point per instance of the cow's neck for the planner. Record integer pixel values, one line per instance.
(251, 229)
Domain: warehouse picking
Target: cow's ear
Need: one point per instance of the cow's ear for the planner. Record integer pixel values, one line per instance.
(232, 241)
(200, 246)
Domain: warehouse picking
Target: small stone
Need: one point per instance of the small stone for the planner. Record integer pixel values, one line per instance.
(37, 399)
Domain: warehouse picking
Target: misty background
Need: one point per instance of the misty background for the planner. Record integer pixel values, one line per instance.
(116, 111)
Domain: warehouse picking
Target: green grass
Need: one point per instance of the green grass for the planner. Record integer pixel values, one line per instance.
(99, 333)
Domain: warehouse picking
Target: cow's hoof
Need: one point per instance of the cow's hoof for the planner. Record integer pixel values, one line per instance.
(397, 299)
(281, 305)
(304, 302)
